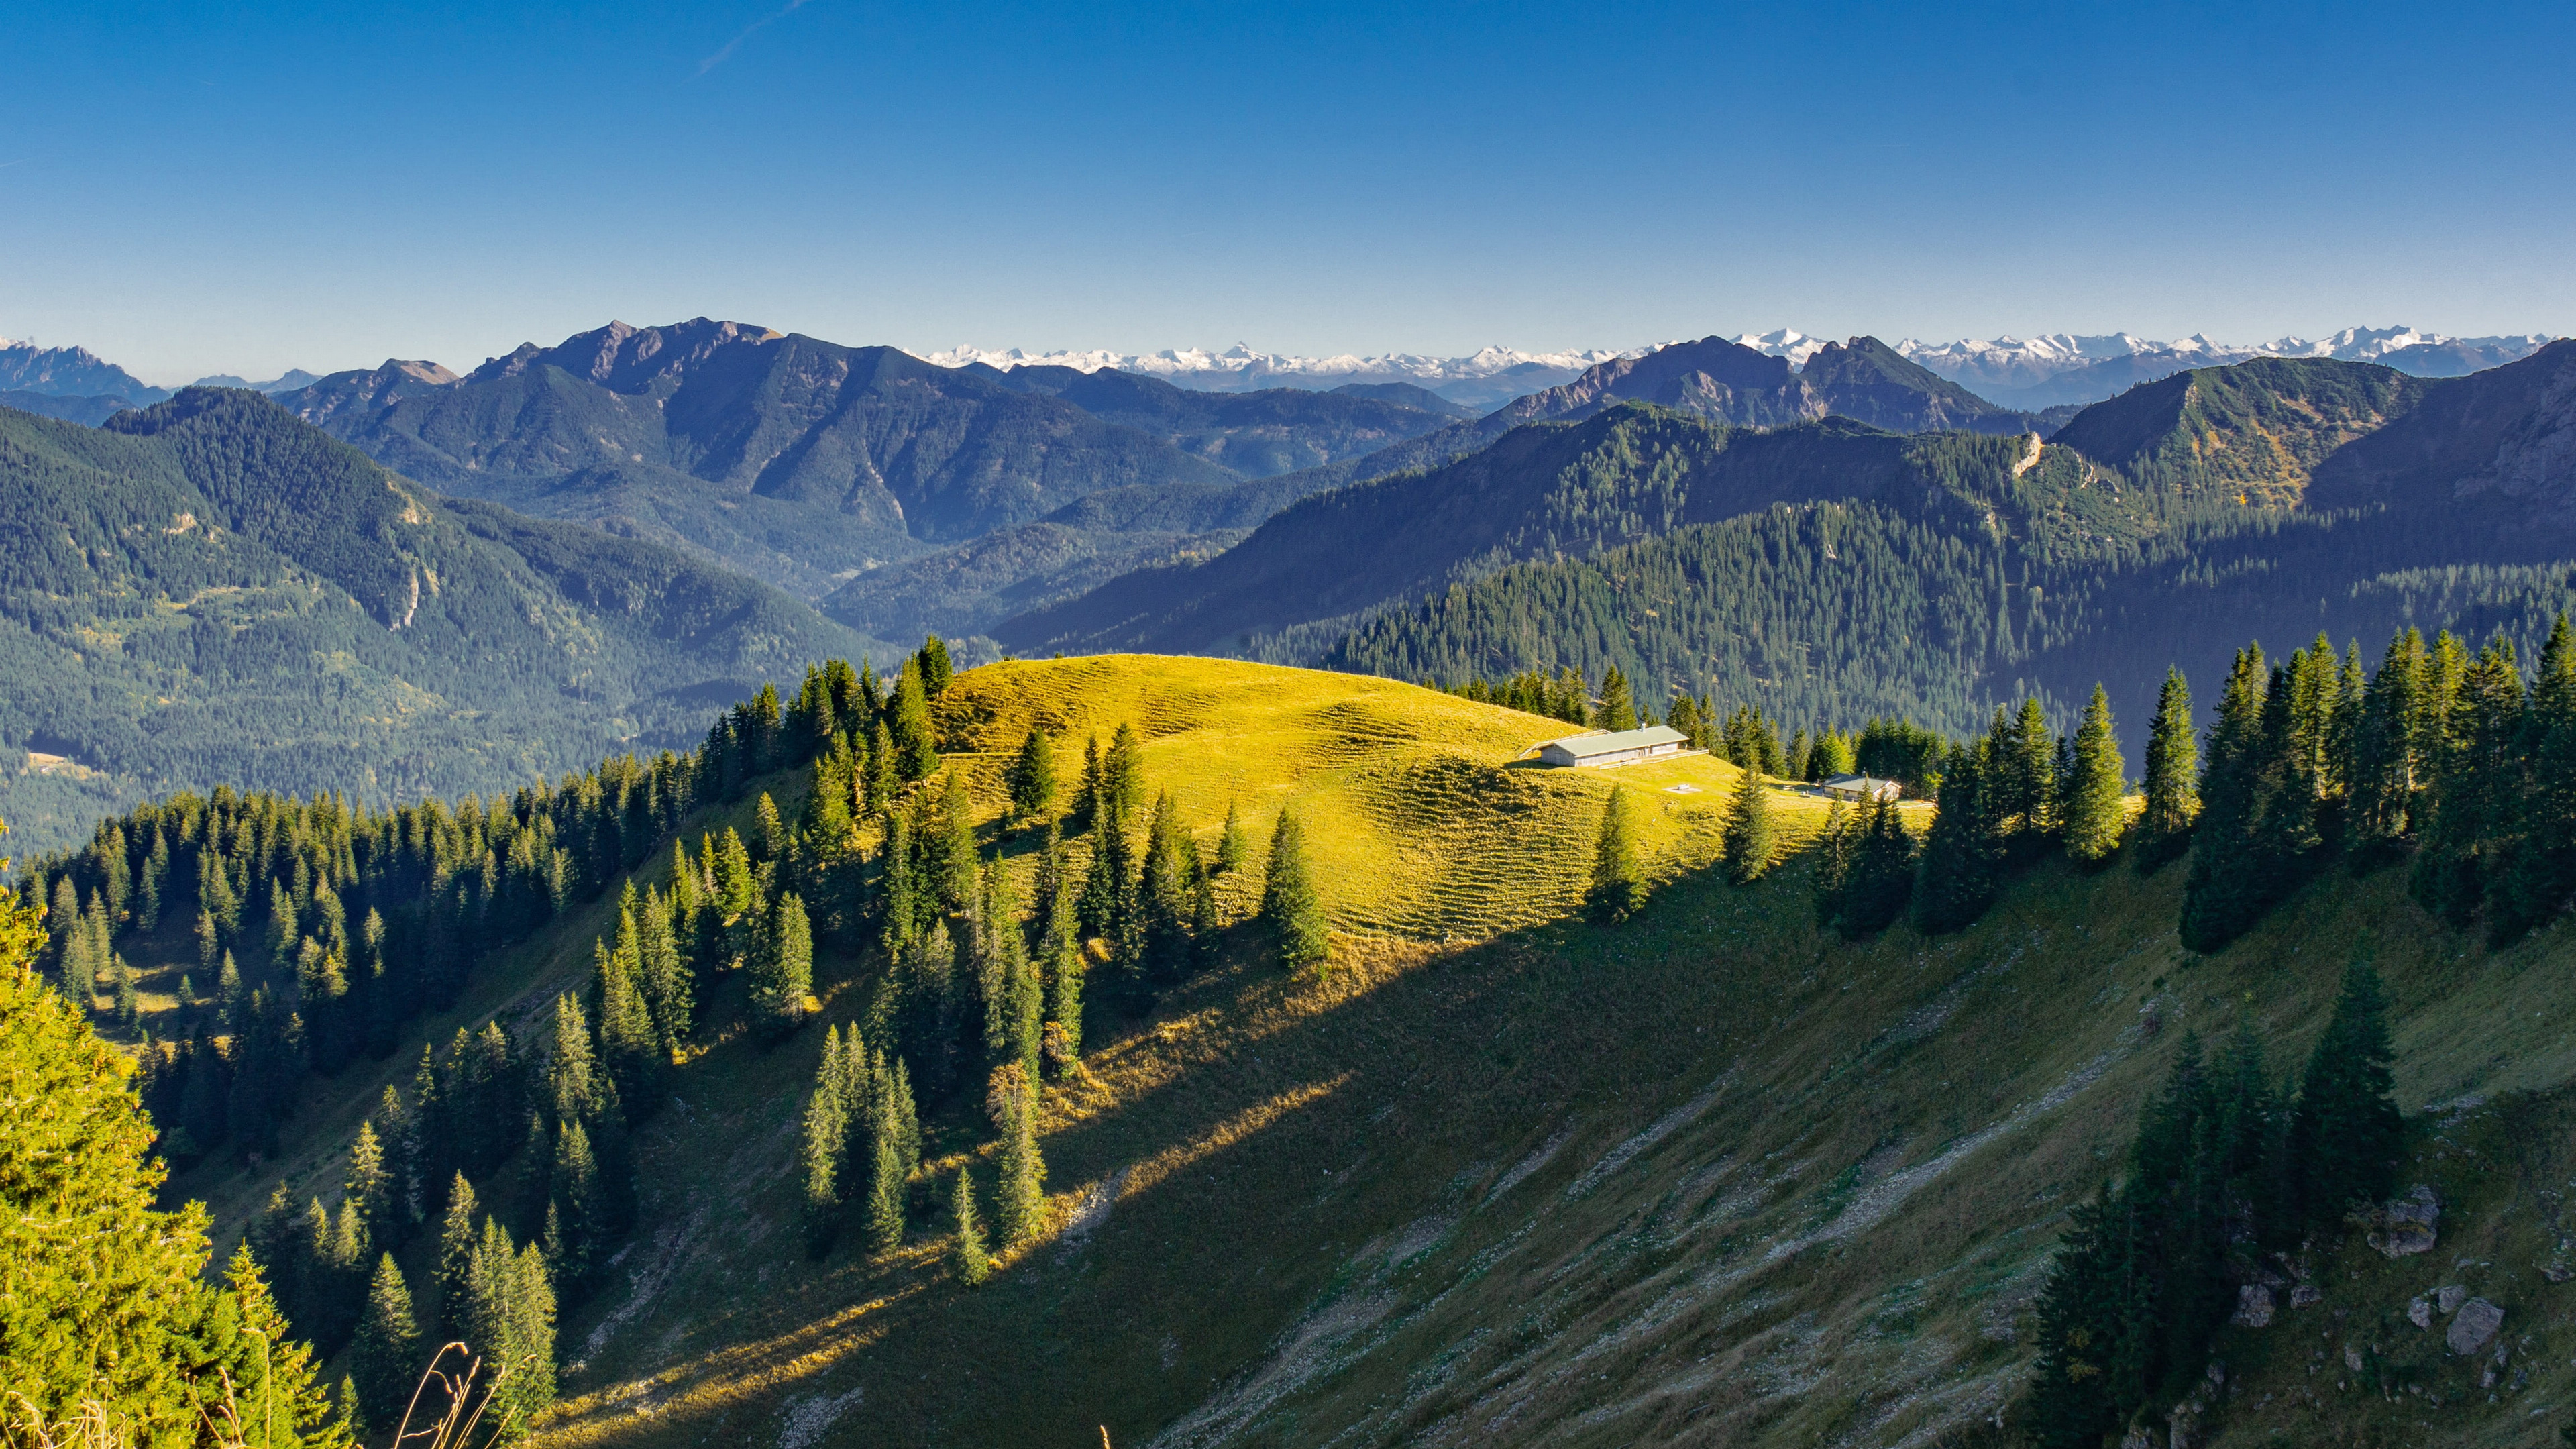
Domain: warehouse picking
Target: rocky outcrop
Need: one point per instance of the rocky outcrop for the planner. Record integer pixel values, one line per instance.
(2407, 1226)
(2473, 1326)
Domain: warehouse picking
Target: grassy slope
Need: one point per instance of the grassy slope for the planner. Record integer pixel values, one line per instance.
(1709, 1177)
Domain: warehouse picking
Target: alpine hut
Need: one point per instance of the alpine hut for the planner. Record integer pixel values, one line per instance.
(1618, 748)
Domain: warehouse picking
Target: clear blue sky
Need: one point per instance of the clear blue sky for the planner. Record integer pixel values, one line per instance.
(247, 187)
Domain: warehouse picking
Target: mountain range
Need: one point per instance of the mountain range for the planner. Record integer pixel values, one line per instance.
(209, 591)
(1829, 570)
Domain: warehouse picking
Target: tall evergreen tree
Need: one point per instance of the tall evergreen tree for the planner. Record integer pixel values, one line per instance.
(2381, 776)
(1618, 707)
(2172, 779)
(2538, 872)
(2227, 887)
(783, 976)
(966, 1255)
(2479, 778)
(2093, 815)
(1752, 834)
(1234, 847)
(1020, 1197)
(2346, 1130)
(1960, 868)
(916, 750)
(1032, 778)
(886, 1174)
(1290, 909)
(826, 1142)
(669, 995)
(385, 1358)
(457, 1234)
(105, 1297)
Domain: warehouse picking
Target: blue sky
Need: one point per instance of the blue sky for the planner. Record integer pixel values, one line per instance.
(249, 187)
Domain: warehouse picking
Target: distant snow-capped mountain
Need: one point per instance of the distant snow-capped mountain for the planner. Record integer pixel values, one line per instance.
(2046, 371)
(1486, 377)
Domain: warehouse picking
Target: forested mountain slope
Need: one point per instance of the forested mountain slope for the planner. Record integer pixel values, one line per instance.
(1930, 576)
(211, 591)
(971, 589)
(1713, 1175)
(803, 462)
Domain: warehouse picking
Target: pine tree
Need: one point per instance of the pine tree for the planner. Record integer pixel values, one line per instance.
(1032, 778)
(2346, 1130)
(105, 1296)
(457, 1234)
(886, 1173)
(1020, 1198)
(936, 670)
(586, 1223)
(1618, 888)
(2027, 754)
(1752, 835)
(578, 1089)
(826, 1139)
(2479, 777)
(1960, 867)
(783, 974)
(629, 1046)
(966, 1255)
(1162, 945)
(916, 751)
(769, 832)
(2172, 787)
(385, 1358)
(1290, 909)
(668, 992)
(2093, 814)
(1234, 847)
(2539, 871)
(370, 1189)
(2227, 887)
(1618, 707)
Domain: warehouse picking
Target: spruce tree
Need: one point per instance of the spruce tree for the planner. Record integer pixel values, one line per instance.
(1960, 866)
(385, 1358)
(2093, 814)
(936, 670)
(1290, 910)
(2539, 870)
(2227, 886)
(1752, 835)
(2030, 771)
(106, 1299)
(669, 993)
(1618, 888)
(1837, 846)
(1020, 1197)
(966, 1255)
(783, 974)
(629, 1047)
(826, 1136)
(916, 751)
(1032, 778)
(1618, 707)
(1234, 847)
(2172, 784)
(886, 1172)
(2346, 1130)
(370, 1189)
(1162, 938)
(457, 1234)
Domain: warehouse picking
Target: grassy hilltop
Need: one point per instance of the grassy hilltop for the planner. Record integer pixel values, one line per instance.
(1501, 1176)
